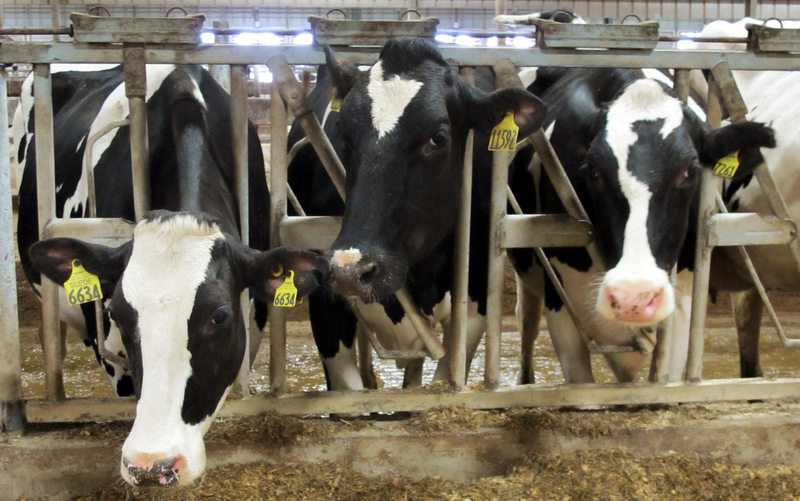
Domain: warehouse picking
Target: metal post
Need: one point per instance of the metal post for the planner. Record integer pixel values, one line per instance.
(681, 84)
(702, 258)
(45, 192)
(12, 407)
(238, 83)
(221, 72)
(460, 299)
(133, 62)
(494, 290)
(278, 182)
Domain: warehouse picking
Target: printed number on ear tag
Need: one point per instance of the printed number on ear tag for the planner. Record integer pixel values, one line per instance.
(82, 286)
(726, 167)
(286, 295)
(504, 135)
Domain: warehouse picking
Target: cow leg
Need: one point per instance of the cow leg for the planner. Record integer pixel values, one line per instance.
(529, 315)
(573, 355)
(412, 374)
(747, 310)
(476, 326)
(334, 327)
(366, 368)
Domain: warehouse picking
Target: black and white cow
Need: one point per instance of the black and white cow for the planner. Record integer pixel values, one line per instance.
(401, 131)
(175, 288)
(634, 153)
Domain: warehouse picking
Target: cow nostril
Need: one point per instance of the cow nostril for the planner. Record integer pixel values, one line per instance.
(368, 274)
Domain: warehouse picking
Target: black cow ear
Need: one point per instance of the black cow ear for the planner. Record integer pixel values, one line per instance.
(268, 270)
(53, 258)
(343, 74)
(745, 137)
(488, 110)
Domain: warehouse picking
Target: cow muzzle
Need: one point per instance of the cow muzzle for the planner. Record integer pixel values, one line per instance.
(636, 301)
(144, 472)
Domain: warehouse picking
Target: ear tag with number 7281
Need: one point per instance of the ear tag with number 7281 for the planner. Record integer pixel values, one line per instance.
(504, 135)
(286, 295)
(82, 286)
(726, 167)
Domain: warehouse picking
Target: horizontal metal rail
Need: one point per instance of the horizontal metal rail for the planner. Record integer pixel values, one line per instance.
(539, 395)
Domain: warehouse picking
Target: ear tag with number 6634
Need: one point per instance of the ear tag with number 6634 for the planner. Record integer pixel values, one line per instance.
(82, 286)
(286, 295)
(504, 135)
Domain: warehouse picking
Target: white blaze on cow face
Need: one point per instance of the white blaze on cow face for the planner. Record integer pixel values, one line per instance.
(389, 98)
(167, 265)
(637, 291)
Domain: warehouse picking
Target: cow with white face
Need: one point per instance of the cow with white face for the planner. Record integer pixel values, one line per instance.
(173, 292)
(401, 130)
(634, 153)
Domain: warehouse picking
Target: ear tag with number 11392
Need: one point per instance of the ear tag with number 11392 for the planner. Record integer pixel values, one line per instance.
(82, 286)
(504, 134)
(286, 295)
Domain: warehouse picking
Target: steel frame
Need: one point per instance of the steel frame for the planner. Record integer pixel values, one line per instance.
(41, 55)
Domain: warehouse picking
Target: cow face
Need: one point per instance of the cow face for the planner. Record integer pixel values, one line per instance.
(176, 289)
(640, 178)
(404, 125)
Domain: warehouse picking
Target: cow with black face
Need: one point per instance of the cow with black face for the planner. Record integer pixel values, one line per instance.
(173, 291)
(634, 153)
(403, 127)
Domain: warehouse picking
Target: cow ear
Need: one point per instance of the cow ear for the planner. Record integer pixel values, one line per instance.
(745, 137)
(53, 258)
(267, 270)
(489, 110)
(343, 74)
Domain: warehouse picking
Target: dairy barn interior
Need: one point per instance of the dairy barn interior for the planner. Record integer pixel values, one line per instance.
(481, 428)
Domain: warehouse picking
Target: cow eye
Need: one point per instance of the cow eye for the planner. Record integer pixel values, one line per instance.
(221, 315)
(689, 175)
(439, 138)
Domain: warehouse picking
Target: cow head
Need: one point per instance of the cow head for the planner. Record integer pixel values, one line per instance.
(404, 125)
(639, 180)
(176, 289)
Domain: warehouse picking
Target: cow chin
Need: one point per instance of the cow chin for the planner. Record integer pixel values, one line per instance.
(636, 299)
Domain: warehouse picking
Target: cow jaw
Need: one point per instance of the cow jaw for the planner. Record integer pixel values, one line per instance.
(167, 265)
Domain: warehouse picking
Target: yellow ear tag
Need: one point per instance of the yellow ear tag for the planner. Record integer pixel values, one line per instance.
(504, 135)
(82, 286)
(286, 295)
(336, 102)
(726, 167)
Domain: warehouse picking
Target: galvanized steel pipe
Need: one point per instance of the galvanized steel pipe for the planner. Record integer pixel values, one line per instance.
(133, 63)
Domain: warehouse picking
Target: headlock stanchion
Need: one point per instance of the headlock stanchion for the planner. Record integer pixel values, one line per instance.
(318, 232)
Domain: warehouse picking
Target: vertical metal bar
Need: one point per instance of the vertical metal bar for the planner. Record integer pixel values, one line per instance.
(702, 259)
(494, 291)
(238, 84)
(133, 63)
(45, 192)
(278, 183)
(681, 84)
(12, 407)
(460, 299)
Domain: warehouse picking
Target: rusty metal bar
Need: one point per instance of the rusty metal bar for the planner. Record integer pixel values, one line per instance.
(12, 406)
(45, 192)
(278, 183)
(709, 187)
(460, 298)
(239, 131)
(136, 91)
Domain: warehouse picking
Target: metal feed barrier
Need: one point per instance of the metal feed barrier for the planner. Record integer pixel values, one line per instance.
(507, 231)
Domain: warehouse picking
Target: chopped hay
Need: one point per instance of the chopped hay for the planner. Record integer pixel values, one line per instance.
(271, 429)
(452, 418)
(590, 475)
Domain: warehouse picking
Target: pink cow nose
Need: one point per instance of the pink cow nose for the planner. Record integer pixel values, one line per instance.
(164, 472)
(634, 304)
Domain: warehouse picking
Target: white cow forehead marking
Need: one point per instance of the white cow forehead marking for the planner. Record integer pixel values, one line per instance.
(643, 100)
(389, 98)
